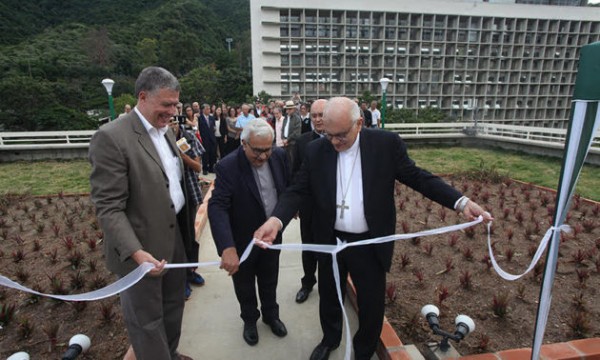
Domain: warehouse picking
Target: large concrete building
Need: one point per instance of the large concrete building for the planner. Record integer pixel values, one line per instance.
(494, 60)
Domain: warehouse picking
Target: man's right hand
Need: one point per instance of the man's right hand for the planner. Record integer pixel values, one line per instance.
(230, 261)
(142, 256)
(269, 230)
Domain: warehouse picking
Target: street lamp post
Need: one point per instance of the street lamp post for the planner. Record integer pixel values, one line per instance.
(108, 85)
(384, 84)
(229, 41)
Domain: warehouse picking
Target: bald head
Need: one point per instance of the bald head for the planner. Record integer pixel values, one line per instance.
(342, 122)
(316, 114)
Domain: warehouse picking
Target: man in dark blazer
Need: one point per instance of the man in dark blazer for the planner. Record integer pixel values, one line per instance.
(350, 176)
(136, 186)
(247, 186)
(309, 258)
(206, 127)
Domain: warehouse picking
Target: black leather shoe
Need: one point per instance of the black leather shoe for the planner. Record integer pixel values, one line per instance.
(302, 295)
(277, 327)
(250, 334)
(321, 352)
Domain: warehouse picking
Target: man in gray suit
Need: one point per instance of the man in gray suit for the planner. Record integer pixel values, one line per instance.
(139, 195)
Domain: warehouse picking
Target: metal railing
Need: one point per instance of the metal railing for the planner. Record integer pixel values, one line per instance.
(547, 137)
(39, 140)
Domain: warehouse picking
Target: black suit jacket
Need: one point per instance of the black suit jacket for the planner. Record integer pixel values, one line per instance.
(207, 132)
(384, 160)
(235, 209)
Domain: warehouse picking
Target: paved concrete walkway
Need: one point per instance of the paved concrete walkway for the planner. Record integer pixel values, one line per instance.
(212, 327)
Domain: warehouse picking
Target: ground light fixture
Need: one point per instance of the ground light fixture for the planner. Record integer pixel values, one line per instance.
(464, 326)
(21, 355)
(78, 344)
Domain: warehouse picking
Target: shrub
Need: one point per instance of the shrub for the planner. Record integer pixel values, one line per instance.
(500, 305)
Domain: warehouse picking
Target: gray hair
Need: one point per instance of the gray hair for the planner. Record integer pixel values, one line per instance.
(258, 128)
(350, 106)
(154, 78)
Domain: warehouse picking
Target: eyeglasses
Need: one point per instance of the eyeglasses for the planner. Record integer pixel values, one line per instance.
(259, 151)
(341, 137)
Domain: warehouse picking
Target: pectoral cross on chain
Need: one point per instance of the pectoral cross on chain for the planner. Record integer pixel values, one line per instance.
(342, 207)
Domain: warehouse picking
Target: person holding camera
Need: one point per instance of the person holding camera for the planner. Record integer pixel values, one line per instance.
(191, 152)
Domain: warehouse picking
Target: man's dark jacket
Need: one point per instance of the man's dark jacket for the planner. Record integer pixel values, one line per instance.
(384, 160)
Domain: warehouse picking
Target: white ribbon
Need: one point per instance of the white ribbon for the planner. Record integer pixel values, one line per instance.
(133, 277)
(538, 254)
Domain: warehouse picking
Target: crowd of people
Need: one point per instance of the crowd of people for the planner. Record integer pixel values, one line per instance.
(272, 161)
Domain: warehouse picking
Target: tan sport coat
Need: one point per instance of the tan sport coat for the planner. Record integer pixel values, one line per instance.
(130, 190)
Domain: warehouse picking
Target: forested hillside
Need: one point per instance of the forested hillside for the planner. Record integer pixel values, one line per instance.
(53, 55)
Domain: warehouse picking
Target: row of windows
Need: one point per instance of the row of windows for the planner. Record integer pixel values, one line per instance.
(429, 49)
(434, 76)
(435, 21)
(393, 33)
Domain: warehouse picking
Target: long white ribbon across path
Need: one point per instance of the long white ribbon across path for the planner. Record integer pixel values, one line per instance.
(132, 278)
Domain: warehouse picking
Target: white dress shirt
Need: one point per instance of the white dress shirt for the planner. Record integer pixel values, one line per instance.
(354, 216)
(169, 160)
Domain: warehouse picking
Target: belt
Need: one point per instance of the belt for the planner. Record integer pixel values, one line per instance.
(351, 237)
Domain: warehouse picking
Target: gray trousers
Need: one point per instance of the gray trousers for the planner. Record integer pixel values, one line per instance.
(153, 311)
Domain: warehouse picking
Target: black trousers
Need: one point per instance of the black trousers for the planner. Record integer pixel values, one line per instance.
(368, 276)
(209, 158)
(309, 258)
(262, 268)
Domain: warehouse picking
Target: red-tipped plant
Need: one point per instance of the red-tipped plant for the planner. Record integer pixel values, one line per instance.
(442, 214)
(68, 243)
(531, 251)
(596, 210)
(442, 294)
(37, 246)
(579, 302)
(418, 273)
(22, 275)
(500, 305)
(428, 248)
(53, 256)
(582, 277)
(578, 257)
(449, 265)
(404, 260)
(487, 261)
(505, 213)
(510, 233)
(465, 279)
(470, 232)
(75, 258)
(467, 253)
(51, 332)
(390, 291)
(56, 230)
(588, 225)
(106, 312)
(579, 323)
(25, 329)
(76, 281)
(57, 286)
(7, 311)
(509, 253)
(453, 240)
(18, 256)
(521, 291)
(92, 243)
(519, 216)
(483, 343)
(97, 282)
(405, 227)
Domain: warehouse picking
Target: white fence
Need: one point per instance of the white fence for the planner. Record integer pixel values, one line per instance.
(545, 137)
(39, 140)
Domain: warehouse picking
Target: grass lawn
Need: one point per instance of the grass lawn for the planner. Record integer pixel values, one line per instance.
(51, 177)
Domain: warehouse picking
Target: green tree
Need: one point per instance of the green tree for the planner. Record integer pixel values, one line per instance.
(122, 100)
(201, 84)
(431, 115)
(148, 52)
(367, 97)
(403, 115)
